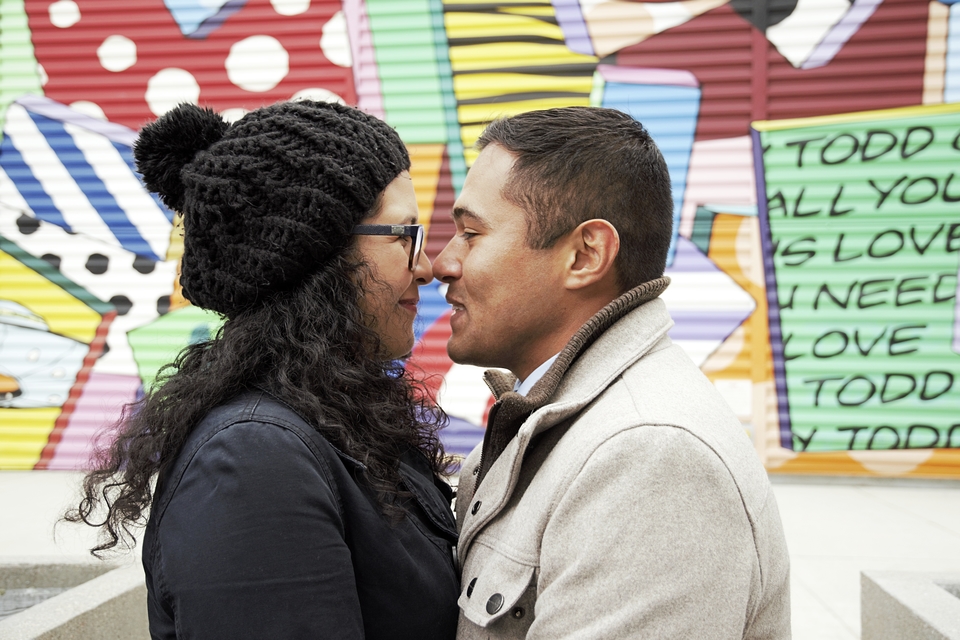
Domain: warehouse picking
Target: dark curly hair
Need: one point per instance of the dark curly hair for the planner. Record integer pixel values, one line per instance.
(308, 347)
(268, 204)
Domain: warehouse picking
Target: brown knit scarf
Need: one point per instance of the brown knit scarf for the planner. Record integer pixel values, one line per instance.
(512, 409)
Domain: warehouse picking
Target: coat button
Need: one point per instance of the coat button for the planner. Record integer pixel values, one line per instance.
(470, 587)
(476, 507)
(494, 603)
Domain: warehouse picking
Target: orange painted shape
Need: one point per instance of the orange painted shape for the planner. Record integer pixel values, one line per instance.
(943, 463)
(8, 384)
(735, 249)
(175, 252)
(425, 161)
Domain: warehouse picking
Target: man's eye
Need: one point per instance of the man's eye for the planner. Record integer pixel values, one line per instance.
(467, 234)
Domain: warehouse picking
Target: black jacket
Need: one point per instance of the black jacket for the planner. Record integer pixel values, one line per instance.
(262, 529)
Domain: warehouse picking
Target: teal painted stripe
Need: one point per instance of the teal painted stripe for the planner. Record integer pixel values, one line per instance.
(455, 151)
(406, 57)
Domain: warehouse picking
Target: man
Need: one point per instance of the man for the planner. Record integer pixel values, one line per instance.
(614, 495)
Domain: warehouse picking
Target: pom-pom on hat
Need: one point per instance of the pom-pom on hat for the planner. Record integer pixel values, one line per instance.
(270, 199)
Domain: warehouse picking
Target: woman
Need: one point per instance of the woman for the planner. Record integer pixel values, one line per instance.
(298, 469)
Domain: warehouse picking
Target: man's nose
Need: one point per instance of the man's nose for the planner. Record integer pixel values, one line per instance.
(446, 267)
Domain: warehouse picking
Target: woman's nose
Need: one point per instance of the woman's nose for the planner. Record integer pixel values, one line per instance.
(423, 272)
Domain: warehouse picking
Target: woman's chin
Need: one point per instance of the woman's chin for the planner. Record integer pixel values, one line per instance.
(398, 351)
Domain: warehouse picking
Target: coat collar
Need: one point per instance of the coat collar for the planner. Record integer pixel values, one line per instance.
(512, 409)
(617, 337)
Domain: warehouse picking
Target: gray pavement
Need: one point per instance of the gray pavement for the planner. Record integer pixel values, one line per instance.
(835, 528)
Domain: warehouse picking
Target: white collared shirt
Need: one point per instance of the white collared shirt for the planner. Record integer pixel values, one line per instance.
(523, 388)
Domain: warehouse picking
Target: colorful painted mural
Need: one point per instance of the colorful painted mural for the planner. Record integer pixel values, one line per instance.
(812, 146)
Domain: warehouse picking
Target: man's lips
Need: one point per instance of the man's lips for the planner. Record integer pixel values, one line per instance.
(455, 304)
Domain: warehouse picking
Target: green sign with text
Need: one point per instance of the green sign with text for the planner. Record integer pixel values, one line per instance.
(862, 226)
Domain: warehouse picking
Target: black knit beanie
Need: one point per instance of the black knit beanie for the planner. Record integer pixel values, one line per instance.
(270, 199)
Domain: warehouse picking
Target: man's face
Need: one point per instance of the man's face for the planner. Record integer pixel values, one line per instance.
(507, 298)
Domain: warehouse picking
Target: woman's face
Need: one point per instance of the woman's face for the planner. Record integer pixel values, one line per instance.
(391, 293)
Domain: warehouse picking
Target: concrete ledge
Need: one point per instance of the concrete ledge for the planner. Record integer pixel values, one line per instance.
(911, 482)
(916, 605)
(105, 602)
(17, 572)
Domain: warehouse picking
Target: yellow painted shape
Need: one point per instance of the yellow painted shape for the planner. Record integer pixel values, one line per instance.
(486, 85)
(470, 153)
(175, 248)
(485, 113)
(859, 116)
(504, 56)
(24, 434)
(495, 6)
(490, 25)
(545, 9)
(493, 110)
(63, 313)
(425, 163)
(935, 62)
(175, 252)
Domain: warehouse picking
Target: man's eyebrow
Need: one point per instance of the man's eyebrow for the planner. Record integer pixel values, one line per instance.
(459, 213)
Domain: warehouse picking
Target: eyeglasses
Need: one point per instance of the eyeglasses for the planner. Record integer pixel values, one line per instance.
(413, 231)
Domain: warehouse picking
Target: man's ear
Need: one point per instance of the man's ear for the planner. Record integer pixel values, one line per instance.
(593, 248)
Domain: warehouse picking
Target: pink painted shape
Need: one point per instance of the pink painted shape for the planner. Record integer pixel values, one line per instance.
(98, 407)
(721, 172)
(643, 75)
(365, 77)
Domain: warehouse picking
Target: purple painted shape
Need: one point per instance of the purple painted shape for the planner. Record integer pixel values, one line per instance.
(688, 258)
(706, 325)
(773, 301)
(647, 75)
(215, 21)
(956, 319)
(366, 79)
(574, 27)
(99, 406)
(61, 112)
(833, 42)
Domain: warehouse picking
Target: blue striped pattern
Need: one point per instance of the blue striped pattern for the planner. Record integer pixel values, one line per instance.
(670, 114)
(93, 188)
(68, 167)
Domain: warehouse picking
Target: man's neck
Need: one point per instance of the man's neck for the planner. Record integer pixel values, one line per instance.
(523, 386)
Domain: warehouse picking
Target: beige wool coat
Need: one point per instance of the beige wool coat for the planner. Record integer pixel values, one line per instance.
(629, 504)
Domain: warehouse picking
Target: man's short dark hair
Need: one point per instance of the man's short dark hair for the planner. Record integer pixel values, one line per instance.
(579, 163)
